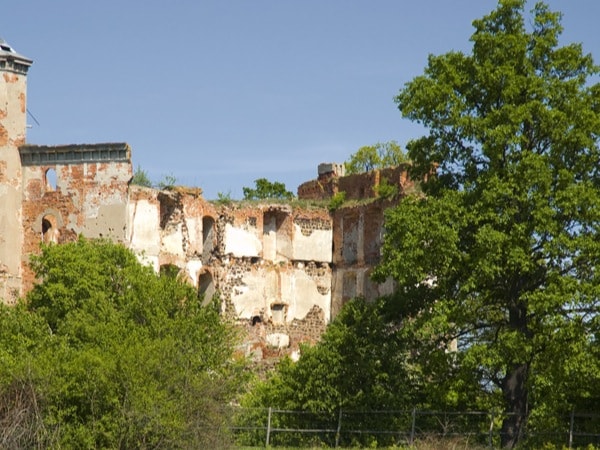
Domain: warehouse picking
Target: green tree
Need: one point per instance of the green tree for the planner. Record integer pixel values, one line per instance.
(378, 156)
(502, 255)
(358, 365)
(140, 178)
(265, 189)
(111, 355)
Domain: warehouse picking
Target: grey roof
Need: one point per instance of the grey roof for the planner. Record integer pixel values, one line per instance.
(36, 155)
(11, 60)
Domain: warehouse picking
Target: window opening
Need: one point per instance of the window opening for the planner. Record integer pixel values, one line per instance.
(51, 179)
(206, 287)
(278, 313)
(49, 230)
(208, 238)
(169, 270)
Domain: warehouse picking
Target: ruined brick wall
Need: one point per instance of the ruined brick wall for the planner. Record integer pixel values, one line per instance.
(357, 241)
(281, 271)
(325, 186)
(165, 228)
(13, 114)
(73, 190)
(269, 262)
(356, 186)
(273, 270)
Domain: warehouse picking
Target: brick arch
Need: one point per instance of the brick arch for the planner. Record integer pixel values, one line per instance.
(170, 270)
(50, 232)
(50, 218)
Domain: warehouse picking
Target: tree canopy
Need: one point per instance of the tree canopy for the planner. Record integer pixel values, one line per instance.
(378, 156)
(265, 189)
(358, 365)
(106, 354)
(502, 256)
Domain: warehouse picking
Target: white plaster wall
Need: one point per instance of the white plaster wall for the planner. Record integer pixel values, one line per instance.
(172, 241)
(194, 228)
(12, 134)
(315, 247)
(299, 291)
(192, 268)
(240, 242)
(144, 228)
(257, 291)
(270, 238)
(293, 288)
(278, 340)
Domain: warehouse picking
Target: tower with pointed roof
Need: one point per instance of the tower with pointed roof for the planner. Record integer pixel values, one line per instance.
(13, 115)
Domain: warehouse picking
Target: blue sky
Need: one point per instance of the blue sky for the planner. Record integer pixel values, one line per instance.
(218, 93)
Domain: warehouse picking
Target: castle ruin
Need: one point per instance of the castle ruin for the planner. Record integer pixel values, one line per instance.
(282, 270)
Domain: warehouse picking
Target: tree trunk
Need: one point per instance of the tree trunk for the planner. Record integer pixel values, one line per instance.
(514, 390)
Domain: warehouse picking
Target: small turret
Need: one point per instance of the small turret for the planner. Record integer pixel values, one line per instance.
(11, 61)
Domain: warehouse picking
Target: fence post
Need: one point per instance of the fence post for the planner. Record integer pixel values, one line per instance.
(412, 427)
(571, 426)
(339, 429)
(268, 428)
(491, 433)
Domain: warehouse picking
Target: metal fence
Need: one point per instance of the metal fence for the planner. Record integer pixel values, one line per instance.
(276, 427)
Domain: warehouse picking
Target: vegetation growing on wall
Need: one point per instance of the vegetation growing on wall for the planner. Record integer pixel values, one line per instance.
(378, 156)
(265, 189)
(140, 178)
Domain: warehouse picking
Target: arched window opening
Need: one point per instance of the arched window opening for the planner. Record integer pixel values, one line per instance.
(208, 238)
(49, 230)
(50, 179)
(169, 270)
(206, 287)
(256, 320)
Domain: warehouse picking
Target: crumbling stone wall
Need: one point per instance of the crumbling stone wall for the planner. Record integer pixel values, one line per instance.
(325, 186)
(274, 270)
(356, 186)
(13, 114)
(88, 196)
(357, 242)
(357, 228)
(281, 271)
(165, 228)
(287, 268)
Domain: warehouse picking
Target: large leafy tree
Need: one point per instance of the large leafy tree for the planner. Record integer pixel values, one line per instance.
(502, 254)
(106, 354)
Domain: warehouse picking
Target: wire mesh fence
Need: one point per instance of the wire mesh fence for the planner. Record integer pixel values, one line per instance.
(263, 427)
